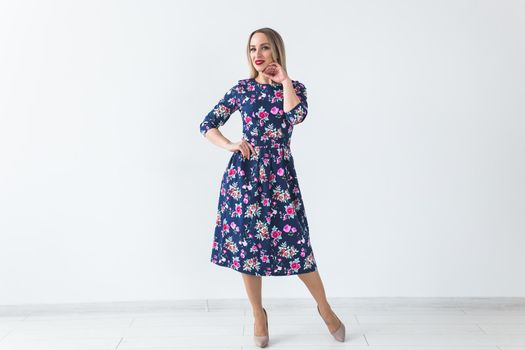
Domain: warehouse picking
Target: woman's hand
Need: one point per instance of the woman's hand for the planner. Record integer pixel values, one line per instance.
(243, 146)
(275, 72)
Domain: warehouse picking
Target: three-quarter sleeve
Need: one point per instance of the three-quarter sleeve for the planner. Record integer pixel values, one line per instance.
(221, 112)
(297, 114)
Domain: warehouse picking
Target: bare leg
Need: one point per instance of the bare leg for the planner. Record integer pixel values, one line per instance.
(253, 286)
(313, 282)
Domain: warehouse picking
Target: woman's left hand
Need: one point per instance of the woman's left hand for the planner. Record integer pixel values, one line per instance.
(275, 72)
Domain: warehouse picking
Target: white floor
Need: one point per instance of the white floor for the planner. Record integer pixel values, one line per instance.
(372, 324)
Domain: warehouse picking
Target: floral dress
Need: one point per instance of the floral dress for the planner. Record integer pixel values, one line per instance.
(261, 227)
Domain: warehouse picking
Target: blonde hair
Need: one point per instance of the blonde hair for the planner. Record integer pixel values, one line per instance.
(277, 47)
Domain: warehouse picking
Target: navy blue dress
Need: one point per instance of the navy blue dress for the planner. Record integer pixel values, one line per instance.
(261, 227)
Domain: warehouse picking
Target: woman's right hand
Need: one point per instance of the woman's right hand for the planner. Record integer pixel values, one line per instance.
(243, 146)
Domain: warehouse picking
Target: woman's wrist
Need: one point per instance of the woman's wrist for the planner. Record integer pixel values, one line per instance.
(227, 145)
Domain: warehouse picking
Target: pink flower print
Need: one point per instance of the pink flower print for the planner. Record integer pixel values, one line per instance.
(225, 227)
(280, 171)
(262, 115)
(232, 172)
(276, 234)
(289, 212)
(236, 263)
(294, 265)
(274, 110)
(264, 258)
(278, 94)
(286, 228)
(237, 211)
(248, 119)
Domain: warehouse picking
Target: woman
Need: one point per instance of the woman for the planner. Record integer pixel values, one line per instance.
(261, 226)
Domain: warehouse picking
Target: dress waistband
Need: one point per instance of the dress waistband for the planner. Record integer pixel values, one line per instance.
(272, 144)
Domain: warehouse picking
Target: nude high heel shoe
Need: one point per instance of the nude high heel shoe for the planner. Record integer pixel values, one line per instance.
(339, 333)
(262, 340)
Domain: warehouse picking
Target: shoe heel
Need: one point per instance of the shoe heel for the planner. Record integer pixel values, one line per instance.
(339, 333)
(262, 340)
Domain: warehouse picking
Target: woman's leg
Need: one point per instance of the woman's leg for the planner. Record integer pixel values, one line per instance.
(313, 282)
(253, 286)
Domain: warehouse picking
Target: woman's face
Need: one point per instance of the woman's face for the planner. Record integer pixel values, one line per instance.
(260, 51)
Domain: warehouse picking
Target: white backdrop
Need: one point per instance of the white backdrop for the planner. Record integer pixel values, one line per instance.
(410, 161)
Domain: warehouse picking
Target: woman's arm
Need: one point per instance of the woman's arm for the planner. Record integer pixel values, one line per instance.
(221, 112)
(217, 117)
(290, 97)
(217, 138)
(295, 104)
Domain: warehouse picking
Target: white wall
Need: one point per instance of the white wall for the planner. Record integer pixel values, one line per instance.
(410, 160)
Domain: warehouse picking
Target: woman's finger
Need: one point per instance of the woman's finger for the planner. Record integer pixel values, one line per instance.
(250, 146)
(243, 149)
(239, 148)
